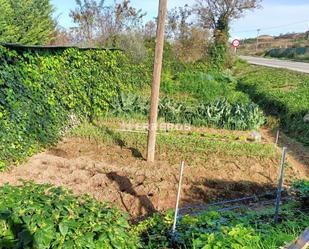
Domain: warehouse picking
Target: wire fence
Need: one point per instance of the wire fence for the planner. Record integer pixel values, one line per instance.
(245, 202)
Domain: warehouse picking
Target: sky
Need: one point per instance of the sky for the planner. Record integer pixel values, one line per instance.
(274, 18)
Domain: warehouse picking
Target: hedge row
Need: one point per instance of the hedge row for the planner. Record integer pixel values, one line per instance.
(301, 53)
(39, 90)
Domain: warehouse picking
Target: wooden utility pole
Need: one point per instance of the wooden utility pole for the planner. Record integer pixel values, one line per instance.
(302, 242)
(155, 89)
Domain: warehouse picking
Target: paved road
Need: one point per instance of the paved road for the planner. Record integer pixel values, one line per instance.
(292, 65)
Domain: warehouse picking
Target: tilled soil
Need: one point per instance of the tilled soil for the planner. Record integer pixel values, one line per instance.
(113, 174)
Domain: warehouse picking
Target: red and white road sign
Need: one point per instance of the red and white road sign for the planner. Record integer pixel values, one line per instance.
(236, 43)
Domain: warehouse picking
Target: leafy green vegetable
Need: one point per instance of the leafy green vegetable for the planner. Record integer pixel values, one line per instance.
(219, 113)
(301, 187)
(42, 216)
(226, 230)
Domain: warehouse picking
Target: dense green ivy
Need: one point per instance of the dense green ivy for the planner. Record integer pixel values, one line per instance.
(38, 90)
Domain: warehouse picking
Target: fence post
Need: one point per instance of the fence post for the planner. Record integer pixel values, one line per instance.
(277, 138)
(278, 199)
(178, 196)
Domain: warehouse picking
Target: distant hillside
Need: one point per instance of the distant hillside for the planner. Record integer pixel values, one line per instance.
(267, 42)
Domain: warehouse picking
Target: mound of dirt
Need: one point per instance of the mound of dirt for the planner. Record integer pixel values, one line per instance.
(113, 174)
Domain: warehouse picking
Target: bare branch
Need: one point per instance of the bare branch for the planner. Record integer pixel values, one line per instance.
(210, 11)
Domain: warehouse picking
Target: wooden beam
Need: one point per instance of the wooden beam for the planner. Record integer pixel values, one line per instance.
(302, 242)
(155, 90)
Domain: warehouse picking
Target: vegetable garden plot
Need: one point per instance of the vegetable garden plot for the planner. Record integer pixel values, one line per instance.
(110, 166)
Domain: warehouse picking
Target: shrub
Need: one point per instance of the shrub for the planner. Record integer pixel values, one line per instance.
(218, 55)
(208, 87)
(154, 232)
(299, 53)
(42, 216)
(301, 187)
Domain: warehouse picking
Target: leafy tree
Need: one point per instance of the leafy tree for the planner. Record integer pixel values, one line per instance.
(216, 15)
(133, 44)
(8, 31)
(26, 22)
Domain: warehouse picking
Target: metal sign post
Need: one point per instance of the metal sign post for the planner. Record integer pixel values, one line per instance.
(178, 197)
(235, 44)
(278, 199)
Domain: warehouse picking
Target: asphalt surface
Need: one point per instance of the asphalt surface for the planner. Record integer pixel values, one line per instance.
(292, 65)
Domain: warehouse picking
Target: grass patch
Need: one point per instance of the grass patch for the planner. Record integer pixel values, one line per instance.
(206, 87)
(281, 93)
(172, 145)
